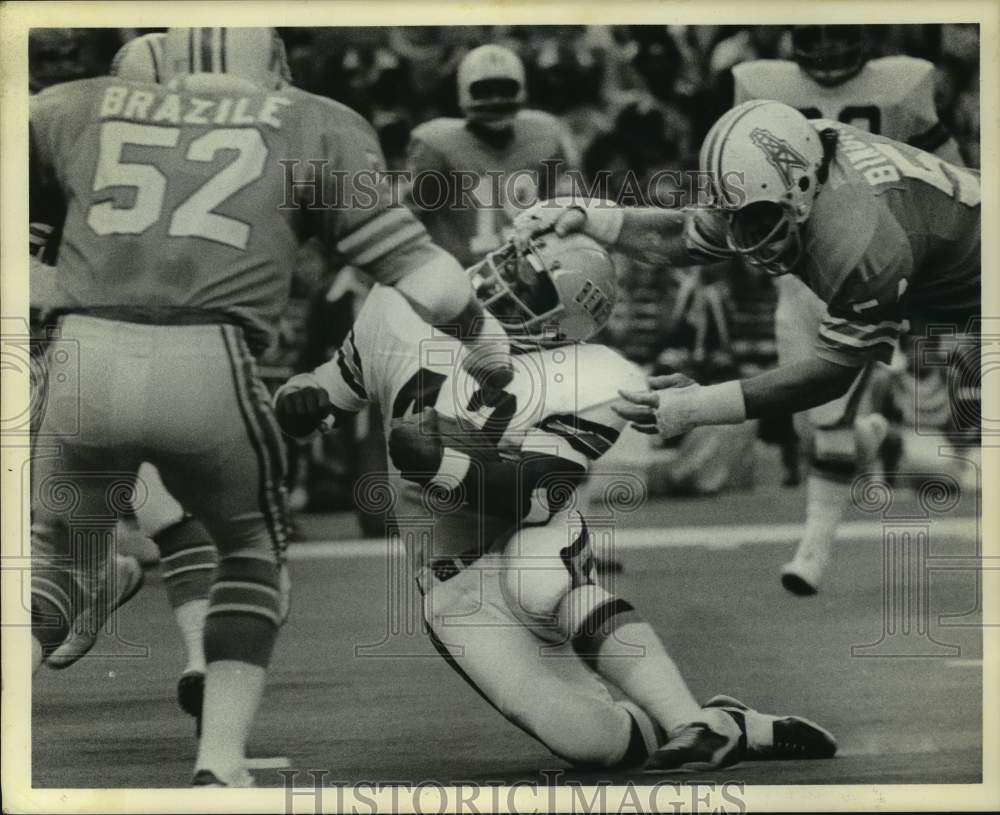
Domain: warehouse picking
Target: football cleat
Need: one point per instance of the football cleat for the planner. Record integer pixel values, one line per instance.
(711, 744)
(206, 778)
(191, 695)
(774, 738)
(803, 573)
(128, 579)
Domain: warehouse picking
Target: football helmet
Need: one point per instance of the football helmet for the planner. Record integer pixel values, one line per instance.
(141, 59)
(491, 85)
(557, 290)
(831, 54)
(765, 161)
(256, 55)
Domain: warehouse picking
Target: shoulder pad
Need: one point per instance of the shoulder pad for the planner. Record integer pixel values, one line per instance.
(438, 130)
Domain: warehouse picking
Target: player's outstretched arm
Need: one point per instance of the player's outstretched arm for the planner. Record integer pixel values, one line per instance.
(675, 404)
(652, 234)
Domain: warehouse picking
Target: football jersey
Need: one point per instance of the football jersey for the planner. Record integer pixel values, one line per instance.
(890, 96)
(470, 215)
(558, 403)
(197, 197)
(893, 238)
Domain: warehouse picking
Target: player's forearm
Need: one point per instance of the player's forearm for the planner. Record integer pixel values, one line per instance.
(650, 234)
(655, 236)
(796, 387)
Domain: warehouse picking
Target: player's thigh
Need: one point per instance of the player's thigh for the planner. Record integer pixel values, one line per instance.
(236, 485)
(487, 645)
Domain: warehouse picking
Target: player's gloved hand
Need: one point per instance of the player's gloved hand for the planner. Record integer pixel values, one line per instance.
(301, 410)
(676, 404)
(552, 215)
(415, 445)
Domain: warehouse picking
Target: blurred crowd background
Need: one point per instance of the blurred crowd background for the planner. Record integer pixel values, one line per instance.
(634, 98)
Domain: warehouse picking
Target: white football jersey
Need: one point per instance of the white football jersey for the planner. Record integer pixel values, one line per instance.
(558, 403)
(890, 96)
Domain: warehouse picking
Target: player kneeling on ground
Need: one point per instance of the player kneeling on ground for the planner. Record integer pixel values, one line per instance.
(492, 477)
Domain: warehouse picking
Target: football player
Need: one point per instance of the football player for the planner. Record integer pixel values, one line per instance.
(471, 175)
(886, 235)
(184, 207)
(484, 490)
(832, 77)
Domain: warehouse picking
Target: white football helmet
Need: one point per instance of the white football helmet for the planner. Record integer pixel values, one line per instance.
(491, 84)
(765, 162)
(141, 59)
(256, 55)
(557, 290)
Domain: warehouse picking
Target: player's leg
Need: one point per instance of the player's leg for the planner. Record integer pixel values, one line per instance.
(225, 463)
(543, 690)
(187, 560)
(82, 477)
(840, 435)
(549, 585)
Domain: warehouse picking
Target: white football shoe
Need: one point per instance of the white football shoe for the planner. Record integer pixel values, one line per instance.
(128, 579)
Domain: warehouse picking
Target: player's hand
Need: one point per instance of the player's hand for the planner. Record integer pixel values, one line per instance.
(301, 411)
(415, 445)
(547, 216)
(649, 412)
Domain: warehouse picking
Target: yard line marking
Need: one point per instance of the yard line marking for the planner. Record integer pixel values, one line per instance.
(889, 745)
(964, 663)
(722, 537)
(274, 763)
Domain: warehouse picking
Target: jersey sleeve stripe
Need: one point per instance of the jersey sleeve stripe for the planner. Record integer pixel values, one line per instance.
(349, 377)
(381, 235)
(864, 328)
(837, 338)
(355, 356)
(587, 438)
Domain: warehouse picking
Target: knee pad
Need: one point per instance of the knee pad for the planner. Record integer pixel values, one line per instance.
(541, 566)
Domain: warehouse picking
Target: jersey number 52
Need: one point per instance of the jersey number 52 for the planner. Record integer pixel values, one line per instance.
(195, 216)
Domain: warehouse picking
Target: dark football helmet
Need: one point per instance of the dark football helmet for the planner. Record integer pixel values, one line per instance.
(831, 54)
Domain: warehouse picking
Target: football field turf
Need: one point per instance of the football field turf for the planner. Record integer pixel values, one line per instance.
(356, 689)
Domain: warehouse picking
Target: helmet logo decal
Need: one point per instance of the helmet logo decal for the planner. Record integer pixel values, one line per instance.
(594, 301)
(781, 155)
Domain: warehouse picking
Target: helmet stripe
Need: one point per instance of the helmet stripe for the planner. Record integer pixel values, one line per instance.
(190, 36)
(729, 129)
(154, 57)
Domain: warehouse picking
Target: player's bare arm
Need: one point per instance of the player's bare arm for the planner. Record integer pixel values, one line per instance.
(651, 234)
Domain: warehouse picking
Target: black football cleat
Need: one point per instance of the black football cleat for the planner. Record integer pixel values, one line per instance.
(776, 738)
(191, 696)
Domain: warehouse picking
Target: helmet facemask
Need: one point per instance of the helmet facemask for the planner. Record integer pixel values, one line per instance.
(830, 54)
(517, 289)
(494, 102)
(766, 235)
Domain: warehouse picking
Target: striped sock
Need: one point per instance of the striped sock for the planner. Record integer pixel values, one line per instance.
(187, 559)
(244, 611)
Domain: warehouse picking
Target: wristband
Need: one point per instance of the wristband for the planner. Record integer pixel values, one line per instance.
(682, 409)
